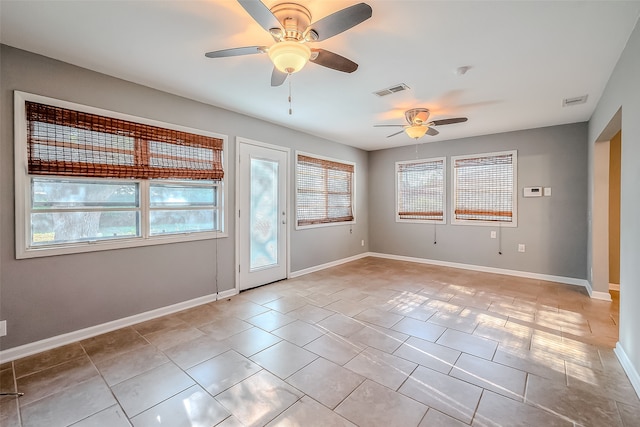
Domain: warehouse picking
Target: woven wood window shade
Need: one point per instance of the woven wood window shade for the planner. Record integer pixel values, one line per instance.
(484, 188)
(72, 143)
(421, 190)
(324, 192)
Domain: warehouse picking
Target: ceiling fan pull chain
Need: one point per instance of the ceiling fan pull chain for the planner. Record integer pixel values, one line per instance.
(290, 110)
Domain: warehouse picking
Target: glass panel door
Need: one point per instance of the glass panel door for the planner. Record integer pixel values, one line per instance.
(262, 214)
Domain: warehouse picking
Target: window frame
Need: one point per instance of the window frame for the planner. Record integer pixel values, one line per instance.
(444, 191)
(353, 192)
(215, 207)
(514, 191)
(22, 196)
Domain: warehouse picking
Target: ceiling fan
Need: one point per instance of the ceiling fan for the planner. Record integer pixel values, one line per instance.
(418, 126)
(290, 26)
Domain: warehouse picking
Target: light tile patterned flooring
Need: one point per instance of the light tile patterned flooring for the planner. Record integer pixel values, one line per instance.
(373, 342)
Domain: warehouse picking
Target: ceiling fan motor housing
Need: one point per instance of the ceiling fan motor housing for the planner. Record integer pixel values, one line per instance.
(417, 116)
(294, 19)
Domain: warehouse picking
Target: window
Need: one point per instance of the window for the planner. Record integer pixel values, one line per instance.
(76, 210)
(324, 191)
(89, 179)
(484, 189)
(182, 207)
(420, 190)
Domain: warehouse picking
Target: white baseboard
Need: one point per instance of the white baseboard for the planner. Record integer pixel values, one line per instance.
(227, 294)
(313, 269)
(547, 277)
(49, 343)
(628, 367)
(517, 273)
(604, 296)
(60, 340)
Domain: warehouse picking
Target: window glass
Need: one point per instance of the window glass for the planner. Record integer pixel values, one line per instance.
(163, 195)
(67, 211)
(182, 221)
(182, 207)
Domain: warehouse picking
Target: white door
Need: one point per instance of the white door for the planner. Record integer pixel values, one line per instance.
(262, 214)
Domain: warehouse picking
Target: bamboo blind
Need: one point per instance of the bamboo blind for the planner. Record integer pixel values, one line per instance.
(421, 190)
(324, 191)
(74, 143)
(484, 188)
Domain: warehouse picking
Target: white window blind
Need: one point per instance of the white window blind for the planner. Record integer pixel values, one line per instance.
(324, 191)
(420, 190)
(485, 188)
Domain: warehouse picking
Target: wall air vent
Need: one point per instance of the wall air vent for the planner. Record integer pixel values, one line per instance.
(568, 102)
(393, 89)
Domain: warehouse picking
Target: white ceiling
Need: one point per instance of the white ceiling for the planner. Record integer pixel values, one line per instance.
(525, 58)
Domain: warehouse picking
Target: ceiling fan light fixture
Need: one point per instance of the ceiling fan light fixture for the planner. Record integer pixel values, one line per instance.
(289, 56)
(416, 131)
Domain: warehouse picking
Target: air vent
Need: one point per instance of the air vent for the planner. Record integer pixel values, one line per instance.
(568, 102)
(393, 89)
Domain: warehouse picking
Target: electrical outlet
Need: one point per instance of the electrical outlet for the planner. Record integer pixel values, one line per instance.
(521, 247)
(494, 235)
(362, 243)
(3, 328)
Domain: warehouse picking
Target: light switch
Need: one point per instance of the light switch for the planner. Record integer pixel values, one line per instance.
(547, 191)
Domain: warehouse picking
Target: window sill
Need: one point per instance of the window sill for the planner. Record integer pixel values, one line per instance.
(325, 224)
(95, 246)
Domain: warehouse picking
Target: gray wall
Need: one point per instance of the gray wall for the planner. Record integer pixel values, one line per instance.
(554, 229)
(45, 297)
(623, 92)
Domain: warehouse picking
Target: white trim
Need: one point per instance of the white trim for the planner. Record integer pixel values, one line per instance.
(517, 273)
(81, 334)
(628, 367)
(227, 294)
(22, 187)
(328, 265)
(604, 296)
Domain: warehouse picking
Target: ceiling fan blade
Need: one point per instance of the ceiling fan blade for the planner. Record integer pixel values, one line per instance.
(387, 126)
(278, 77)
(260, 13)
(449, 121)
(341, 20)
(236, 51)
(394, 134)
(432, 132)
(333, 60)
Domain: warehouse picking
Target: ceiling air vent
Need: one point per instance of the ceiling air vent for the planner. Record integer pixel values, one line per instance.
(393, 89)
(568, 102)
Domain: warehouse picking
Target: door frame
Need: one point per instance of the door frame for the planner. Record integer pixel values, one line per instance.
(287, 203)
(598, 276)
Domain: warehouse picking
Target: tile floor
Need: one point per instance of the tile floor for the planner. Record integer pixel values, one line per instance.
(373, 342)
